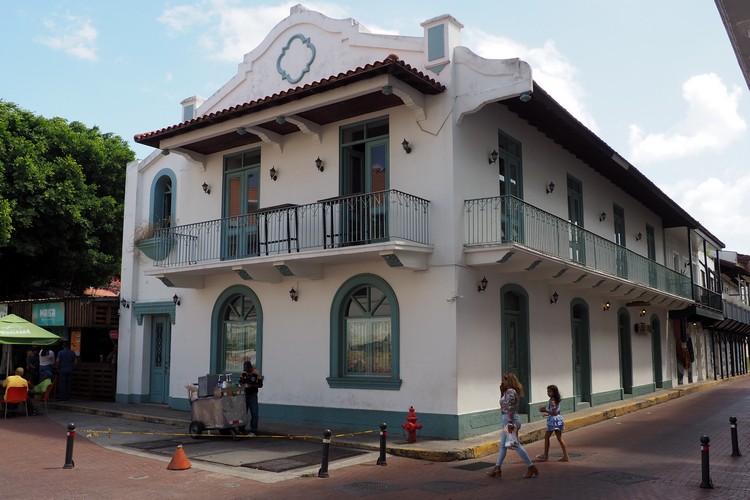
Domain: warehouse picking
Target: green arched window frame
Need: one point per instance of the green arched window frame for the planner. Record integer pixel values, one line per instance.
(163, 198)
(372, 291)
(222, 304)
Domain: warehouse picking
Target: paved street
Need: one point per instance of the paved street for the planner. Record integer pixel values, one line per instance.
(651, 453)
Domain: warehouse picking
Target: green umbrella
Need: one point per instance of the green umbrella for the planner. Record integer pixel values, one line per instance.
(18, 331)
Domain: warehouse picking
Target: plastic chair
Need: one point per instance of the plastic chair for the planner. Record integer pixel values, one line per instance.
(16, 395)
(45, 397)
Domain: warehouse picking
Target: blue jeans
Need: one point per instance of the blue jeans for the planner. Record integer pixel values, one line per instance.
(503, 450)
(66, 381)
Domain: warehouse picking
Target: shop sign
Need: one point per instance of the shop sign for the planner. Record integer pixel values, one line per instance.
(48, 314)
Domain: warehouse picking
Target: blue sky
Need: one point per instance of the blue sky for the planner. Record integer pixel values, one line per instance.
(657, 80)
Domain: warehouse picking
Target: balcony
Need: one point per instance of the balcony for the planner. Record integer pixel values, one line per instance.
(388, 224)
(506, 221)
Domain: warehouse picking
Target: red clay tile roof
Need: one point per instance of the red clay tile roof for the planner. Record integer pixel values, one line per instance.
(390, 65)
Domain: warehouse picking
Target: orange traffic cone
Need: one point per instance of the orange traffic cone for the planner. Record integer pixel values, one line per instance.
(179, 460)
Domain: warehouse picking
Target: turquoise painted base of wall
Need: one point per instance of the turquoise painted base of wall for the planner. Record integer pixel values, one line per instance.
(434, 425)
(606, 397)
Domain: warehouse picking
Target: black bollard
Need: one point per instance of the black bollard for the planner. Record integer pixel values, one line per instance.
(735, 445)
(69, 464)
(706, 480)
(383, 432)
(323, 472)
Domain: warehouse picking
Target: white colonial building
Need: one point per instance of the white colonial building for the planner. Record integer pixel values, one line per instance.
(384, 221)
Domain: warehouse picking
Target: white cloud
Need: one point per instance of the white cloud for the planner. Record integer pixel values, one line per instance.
(550, 69)
(710, 124)
(230, 30)
(73, 35)
(727, 219)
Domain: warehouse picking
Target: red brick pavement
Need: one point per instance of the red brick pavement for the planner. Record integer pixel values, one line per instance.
(652, 453)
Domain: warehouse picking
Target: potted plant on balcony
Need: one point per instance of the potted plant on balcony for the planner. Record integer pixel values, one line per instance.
(154, 239)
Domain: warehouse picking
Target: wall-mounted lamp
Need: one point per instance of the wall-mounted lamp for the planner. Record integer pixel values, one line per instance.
(482, 285)
(406, 146)
(638, 237)
(273, 173)
(124, 303)
(602, 216)
(293, 294)
(176, 300)
(642, 313)
(206, 188)
(387, 90)
(605, 306)
(493, 157)
(241, 131)
(525, 97)
(553, 298)
(319, 164)
(281, 120)
(550, 187)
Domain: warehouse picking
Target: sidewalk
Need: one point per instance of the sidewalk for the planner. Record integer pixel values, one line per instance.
(436, 450)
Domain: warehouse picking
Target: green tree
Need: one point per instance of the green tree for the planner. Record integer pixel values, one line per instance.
(61, 204)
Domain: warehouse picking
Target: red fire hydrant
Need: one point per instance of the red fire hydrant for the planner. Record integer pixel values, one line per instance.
(411, 426)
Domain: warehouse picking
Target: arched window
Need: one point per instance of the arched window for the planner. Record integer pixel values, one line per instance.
(163, 199)
(365, 335)
(236, 335)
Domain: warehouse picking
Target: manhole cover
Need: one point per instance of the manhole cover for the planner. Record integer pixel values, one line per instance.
(448, 486)
(620, 477)
(476, 466)
(366, 487)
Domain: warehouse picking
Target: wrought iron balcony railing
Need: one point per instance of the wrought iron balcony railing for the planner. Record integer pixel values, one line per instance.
(332, 223)
(506, 219)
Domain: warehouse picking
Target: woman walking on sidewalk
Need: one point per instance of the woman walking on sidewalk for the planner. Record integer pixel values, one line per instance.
(555, 423)
(512, 392)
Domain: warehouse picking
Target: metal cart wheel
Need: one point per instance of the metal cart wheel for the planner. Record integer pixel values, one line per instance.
(196, 429)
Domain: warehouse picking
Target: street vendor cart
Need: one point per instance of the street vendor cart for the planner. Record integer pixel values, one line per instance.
(225, 413)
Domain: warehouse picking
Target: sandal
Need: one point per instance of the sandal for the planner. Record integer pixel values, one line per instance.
(495, 472)
(563, 459)
(541, 458)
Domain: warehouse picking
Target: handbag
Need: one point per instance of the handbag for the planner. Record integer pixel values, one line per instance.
(511, 437)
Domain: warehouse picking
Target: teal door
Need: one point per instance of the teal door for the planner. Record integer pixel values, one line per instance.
(515, 340)
(656, 351)
(575, 217)
(364, 207)
(581, 353)
(160, 349)
(626, 353)
(241, 203)
(621, 253)
(510, 184)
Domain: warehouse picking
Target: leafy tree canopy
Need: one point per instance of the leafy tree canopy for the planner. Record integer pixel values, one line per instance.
(61, 204)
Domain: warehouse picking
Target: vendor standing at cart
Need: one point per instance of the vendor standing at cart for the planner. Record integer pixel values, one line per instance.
(251, 380)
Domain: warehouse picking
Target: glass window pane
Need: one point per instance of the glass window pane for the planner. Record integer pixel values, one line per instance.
(232, 162)
(353, 133)
(367, 332)
(377, 128)
(251, 158)
(239, 345)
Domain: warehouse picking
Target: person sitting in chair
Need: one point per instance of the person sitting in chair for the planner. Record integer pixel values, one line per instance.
(39, 389)
(17, 380)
